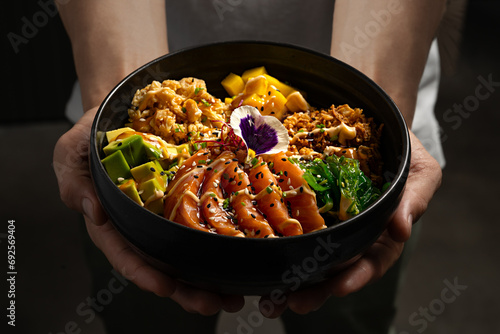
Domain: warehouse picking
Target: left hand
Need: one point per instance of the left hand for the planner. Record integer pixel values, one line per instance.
(424, 179)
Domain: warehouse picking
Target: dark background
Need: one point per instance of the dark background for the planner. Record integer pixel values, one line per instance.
(459, 235)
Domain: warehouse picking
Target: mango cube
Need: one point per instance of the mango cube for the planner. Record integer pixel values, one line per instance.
(296, 102)
(274, 104)
(281, 86)
(256, 85)
(253, 72)
(233, 84)
(253, 100)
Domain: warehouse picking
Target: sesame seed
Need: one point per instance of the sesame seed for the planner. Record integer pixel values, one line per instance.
(257, 232)
(253, 216)
(235, 169)
(271, 205)
(283, 159)
(194, 163)
(196, 176)
(227, 162)
(209, 205)
(286, 173)
(152, 169)
(209, 168)
(239, 183)
(301, 189)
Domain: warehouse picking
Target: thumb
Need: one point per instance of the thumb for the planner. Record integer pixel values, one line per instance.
(424, 179)
(71, 166)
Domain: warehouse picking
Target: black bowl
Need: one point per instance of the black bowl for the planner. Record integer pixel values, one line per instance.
(254, 266)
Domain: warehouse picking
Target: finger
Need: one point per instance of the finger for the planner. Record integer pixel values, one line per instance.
(195, 300)
(423, 180)
(70, 162)
(370, 267)
(232, 303)
(309, 299)
(271, 307)
(126, 261)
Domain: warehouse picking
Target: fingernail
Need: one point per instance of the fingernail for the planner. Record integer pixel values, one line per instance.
(88, 208)
(410, 219)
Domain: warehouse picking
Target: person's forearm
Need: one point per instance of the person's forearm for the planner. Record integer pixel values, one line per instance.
(389, 41)
(111, 38)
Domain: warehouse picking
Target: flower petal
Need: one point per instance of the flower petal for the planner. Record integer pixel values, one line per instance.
(263, 134)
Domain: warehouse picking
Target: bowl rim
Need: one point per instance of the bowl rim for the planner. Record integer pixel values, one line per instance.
(398, 181)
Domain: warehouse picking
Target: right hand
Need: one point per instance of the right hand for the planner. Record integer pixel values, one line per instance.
(71, 165)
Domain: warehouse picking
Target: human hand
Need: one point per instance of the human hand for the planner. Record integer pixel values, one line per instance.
(424, 179)
(71, 166)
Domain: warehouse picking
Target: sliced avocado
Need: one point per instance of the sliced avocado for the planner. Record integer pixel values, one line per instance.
(150, 170)
(133, 149)
(117, 167)
(144, 172)
(156, 206)
(149, 188)
(153, 152)
(113, 134)
(130, 189)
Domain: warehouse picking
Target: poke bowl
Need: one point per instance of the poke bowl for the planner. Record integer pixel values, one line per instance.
(247, 265)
